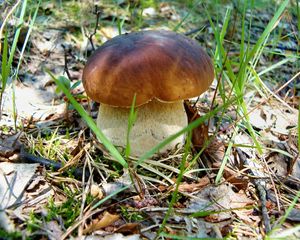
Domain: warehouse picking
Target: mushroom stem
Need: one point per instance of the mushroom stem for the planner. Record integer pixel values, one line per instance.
(155, 122)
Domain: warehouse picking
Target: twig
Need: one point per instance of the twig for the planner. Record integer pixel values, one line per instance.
(66, 52)
(48, 164)
(90, 37)
(261, 193)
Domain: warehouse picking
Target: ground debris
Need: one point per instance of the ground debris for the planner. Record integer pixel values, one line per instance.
(63, 199)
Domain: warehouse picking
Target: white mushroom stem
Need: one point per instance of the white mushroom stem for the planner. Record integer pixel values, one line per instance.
(155, 122)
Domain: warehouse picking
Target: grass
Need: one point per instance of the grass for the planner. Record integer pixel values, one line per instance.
(8, 53)
(237, 54)
(7, 56)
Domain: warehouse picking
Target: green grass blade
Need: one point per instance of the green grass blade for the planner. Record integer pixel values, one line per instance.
(226, 156)
(272, 67)
(30, 27)
(90, 122)
(288, 211)
(299, 127)
(131, 120)
(225, 24)
(4, 73)
(16, 36)
(178, 181)
(6, 64)
(175, 29)
(242, 46)
(109, 196)
(265, 34)
(218, 54)
(20, 60)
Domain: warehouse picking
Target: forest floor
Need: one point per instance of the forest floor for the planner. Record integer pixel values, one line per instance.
(240, 179)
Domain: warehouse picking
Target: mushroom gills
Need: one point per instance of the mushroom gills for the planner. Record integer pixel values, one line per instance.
(155, 122)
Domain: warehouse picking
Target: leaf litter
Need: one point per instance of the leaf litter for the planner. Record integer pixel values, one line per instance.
(203, 209)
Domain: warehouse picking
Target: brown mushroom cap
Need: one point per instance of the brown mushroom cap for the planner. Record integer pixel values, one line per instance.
(160, 65)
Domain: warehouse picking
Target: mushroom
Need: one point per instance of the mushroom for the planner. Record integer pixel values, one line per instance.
(160, 68)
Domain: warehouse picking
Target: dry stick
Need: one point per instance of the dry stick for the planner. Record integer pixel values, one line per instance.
(49, 164)
(90, 37)
(261, 192)
(86, 189)
(271, 172)
(66, 61)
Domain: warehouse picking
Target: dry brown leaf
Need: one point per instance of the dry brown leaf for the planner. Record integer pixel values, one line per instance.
(106, 220)
(273, 118)
(10, 145)
(96, 191)
(219, 198)
(233, 177)
(215, 150)
(246, 216)
(193, 187)
(200, 133)
(129, 228)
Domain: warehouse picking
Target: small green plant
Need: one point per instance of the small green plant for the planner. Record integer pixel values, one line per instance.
(33, 222)
(10, 235)
(68, 210)
(131, 216)
(67, 84)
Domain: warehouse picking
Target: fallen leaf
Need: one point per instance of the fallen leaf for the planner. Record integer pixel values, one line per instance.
(233, 177)
(32, 103)
(53, 229)
(106, 220)
(200, 133)
(215, 150)
(273, 118)
(220, 199)
(10, 145)
(193, 187)
(13, 180)
(129, 229)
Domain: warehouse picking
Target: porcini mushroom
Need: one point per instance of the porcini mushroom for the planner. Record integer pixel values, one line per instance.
(161, 68)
